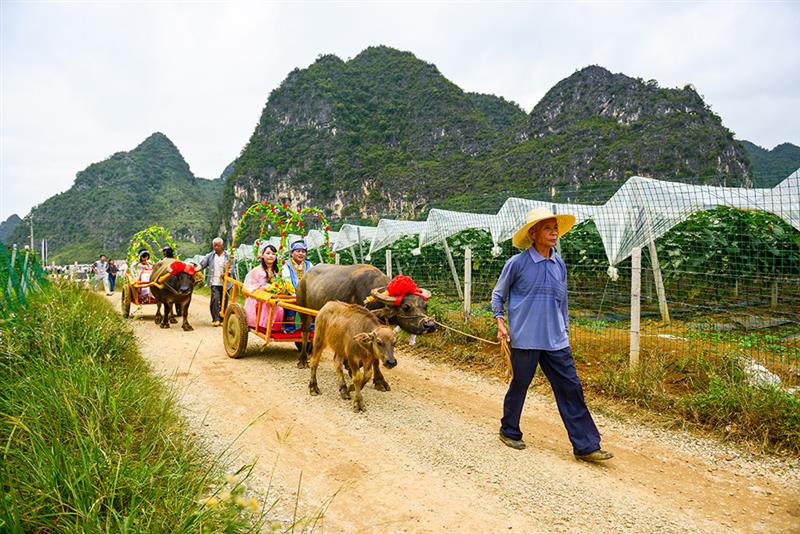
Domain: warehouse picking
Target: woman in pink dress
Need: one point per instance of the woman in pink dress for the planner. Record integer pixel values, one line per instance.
(144, 269)
(261, 277)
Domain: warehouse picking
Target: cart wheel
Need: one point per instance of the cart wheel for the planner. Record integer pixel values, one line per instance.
(126, 302)
(234, 331)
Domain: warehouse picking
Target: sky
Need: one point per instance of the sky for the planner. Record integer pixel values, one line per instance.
(80, 81)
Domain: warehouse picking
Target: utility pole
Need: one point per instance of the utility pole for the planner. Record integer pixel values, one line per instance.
(31, 221)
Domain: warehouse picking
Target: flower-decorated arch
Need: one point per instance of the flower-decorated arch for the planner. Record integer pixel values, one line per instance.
(284, 221)
(152, 239)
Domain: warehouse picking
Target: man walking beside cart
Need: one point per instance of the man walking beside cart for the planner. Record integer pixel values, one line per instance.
(215, 261)
(533, 284)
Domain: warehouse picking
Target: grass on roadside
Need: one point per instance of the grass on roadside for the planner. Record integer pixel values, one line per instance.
(90, 440)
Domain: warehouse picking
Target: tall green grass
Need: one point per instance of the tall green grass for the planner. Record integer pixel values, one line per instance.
(90, 441)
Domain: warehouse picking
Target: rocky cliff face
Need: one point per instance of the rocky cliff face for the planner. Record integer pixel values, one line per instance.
(380, 133)
(113, 199)
(385, 134)
(615, 125)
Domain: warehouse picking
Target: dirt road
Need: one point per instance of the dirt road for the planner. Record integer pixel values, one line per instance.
(425, 456)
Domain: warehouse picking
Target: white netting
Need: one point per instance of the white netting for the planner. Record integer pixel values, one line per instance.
(390, 230)
(441, 224)
(350, 235)
(641, 211)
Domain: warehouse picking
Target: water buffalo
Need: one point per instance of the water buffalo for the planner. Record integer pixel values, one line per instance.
(176, 289)
(356, 336)
(354, 284)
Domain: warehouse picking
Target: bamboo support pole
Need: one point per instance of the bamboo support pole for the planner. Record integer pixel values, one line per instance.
(452, 268)
(659, 281)
(360, 246)
(389, 263)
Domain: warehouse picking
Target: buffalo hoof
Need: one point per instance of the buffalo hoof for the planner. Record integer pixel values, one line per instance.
(164, 325)
(358, 405)
(173, 320)
(187, 327)
(313, 389)
(382, 385)
(302, 363)
(344, 392)
(158, 318)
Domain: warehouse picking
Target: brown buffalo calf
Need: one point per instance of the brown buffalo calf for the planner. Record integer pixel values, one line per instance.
(355, 335)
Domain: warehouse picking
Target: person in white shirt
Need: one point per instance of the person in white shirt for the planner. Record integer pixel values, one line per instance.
(215, 262)
(100, 270)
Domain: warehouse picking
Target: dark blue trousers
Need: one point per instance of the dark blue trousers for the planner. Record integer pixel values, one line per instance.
(559, 368)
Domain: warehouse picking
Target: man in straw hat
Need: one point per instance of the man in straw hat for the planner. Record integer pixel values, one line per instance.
(534, 286)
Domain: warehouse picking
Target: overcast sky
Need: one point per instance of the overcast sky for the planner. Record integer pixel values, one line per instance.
(83, 80)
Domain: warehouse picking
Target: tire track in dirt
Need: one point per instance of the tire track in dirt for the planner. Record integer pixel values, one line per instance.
(425, 456)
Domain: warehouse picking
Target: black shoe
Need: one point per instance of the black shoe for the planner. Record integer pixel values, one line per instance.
(513, 443)
(595, 456)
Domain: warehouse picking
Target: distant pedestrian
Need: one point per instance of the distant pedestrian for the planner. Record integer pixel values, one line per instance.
(112, 275)
(100, 271)
(534, 286)
(215, 261)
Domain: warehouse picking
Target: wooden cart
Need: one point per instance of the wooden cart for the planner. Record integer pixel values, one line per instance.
(234, 324)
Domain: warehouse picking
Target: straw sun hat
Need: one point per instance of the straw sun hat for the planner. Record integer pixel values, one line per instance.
(521, 238)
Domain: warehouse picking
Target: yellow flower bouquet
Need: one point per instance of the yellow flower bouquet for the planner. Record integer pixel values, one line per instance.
(280, 287)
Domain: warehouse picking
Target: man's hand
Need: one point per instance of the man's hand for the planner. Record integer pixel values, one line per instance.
(502, 332)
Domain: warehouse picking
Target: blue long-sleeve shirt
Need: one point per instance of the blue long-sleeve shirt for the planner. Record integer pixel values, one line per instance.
(535, 290)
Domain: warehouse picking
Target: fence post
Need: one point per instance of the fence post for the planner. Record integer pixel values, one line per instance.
(636, 293)
(773, 301)
(399, 269)
(353, 252)
(337, 258)
(319, 254)
(389, 263)
(467, 283)
(452, 268)
(23, 280)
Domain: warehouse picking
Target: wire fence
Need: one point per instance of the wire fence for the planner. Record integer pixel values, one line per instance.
(719, 276)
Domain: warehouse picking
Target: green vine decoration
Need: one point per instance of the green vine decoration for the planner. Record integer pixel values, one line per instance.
(152, 239)
(281, 220)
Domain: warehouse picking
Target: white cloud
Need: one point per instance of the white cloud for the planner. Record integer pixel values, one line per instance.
(82, 81)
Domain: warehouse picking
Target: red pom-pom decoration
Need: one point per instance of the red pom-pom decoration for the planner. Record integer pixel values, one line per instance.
(400, 286)
(178, 267)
